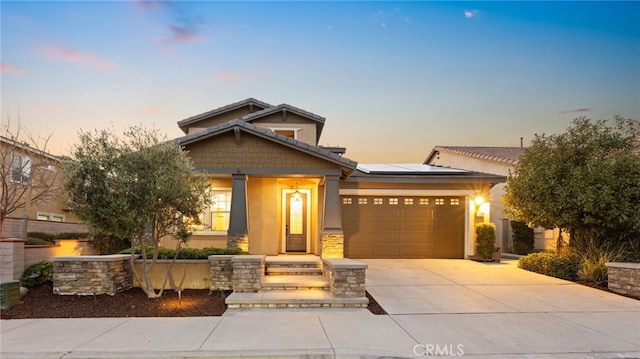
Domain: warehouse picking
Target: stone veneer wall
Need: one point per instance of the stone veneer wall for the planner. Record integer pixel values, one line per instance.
(346, 277)
(221, 272)
(248, 272)
(332, 244)
(89, 275)
(624, 278)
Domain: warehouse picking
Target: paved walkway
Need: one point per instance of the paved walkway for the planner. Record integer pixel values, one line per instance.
(445, 307)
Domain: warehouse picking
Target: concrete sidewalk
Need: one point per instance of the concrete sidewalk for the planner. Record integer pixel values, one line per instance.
(445, 307)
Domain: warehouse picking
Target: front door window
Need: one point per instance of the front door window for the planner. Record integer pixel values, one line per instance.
(296, 215)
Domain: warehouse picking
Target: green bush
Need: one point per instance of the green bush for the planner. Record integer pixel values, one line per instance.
(563, 265)
(109, 244)
(42, 235)
(594, 271)
(485, 239)
(187, 253)
(523, 237)
(73, 235)
(37, 274)
(593, 258)
(38, 242)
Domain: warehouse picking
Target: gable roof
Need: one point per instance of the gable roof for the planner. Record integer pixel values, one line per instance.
(29, 149)
(242, 125)
(288, 108)
(247, 102)
(509, 155)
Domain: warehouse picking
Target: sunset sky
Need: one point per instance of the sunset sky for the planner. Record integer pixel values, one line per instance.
(392, 79)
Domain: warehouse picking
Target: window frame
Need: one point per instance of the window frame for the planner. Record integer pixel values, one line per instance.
(207, 216)
(23, 169)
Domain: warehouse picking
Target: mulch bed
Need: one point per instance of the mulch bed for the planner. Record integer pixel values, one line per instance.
(42, 303)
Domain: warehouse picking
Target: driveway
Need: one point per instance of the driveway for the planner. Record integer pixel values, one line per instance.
(499, 309)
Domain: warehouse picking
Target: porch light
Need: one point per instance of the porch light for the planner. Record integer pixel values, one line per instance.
(296, 194)
(479, 200)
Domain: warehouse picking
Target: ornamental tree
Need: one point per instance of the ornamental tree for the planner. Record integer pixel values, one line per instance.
(585, 181)
(28, 175)
(136, 186)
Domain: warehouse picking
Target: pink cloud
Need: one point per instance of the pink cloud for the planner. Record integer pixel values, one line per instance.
(152, 109)
(147, 5)
(70, 54)
(11, 68)
(184, 34)
(226, 76)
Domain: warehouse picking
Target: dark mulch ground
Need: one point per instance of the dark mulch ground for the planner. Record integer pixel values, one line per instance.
(42, 303)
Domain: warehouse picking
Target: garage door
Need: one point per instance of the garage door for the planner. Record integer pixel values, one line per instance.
(403, 227)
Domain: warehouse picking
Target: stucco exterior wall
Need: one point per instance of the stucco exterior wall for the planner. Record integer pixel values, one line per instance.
(263, 212)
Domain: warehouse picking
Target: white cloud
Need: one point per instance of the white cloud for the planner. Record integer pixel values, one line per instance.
(470, 13)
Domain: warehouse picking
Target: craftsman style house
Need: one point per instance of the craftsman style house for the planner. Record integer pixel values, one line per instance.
(275, 190)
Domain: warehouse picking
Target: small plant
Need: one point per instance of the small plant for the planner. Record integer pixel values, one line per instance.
(485, 239)
(523, 237)
(37, 274)
(594, 271)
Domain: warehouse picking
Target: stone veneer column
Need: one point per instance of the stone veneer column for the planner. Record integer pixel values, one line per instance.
(221, 272)
(331, 236)
(11, 258)
(346, 277)
(332, 244)
(248, 271)
(238, 233)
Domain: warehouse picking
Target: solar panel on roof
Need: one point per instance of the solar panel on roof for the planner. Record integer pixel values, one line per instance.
(406, 168)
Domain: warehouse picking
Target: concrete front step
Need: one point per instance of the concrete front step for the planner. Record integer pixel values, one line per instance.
(293, 261)
(294, 282)
(313, 298)
(293, 271)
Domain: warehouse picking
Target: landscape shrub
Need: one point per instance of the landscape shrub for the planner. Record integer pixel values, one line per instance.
(523, 237)
(563, 265)
(37, 274)
(73, 235)
(42, 235)
(593, 258)
(187, 253)
(37, 242)
(109, 244)
(485, 239)
(594, 271)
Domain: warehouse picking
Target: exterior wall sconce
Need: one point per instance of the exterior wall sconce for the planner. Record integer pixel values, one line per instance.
(482, 207)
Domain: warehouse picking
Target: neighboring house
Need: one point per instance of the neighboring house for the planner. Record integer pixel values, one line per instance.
(27, 173)
(496, 160)
(277, 191)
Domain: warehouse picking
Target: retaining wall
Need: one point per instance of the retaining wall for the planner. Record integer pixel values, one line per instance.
(624, 278)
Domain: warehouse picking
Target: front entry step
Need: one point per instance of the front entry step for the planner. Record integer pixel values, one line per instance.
(313, 298)
(294, 282)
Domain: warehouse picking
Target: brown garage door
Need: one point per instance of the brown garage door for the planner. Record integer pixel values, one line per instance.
(403, 227)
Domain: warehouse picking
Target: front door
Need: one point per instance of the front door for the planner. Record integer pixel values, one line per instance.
(296, 224)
